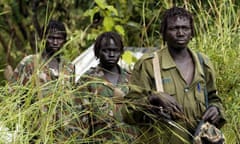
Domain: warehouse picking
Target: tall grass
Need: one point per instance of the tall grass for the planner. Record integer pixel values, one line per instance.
(24, 117)
(29, 116)
(218, 34)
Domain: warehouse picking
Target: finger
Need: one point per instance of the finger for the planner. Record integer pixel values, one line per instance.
(210, 115)
(178, 108)
(214, 115)
(175, 109)
(215, 121)
(205, 116)
(213, 118)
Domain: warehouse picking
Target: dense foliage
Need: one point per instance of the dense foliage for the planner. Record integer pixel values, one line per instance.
(217, 35)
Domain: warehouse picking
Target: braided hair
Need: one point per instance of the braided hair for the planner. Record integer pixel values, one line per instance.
(107, 36)
(172, 12)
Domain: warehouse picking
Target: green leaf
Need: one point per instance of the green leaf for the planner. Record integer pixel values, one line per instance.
(108, 23)
(120, 30)
(91, 12)
(134, 24)
(4, 12)
(112, 9)
(128, 57)
(101, 3)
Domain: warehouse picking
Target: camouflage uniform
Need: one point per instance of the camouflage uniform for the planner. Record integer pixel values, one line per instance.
(32, 63)
(34, 70)
(103, 102)
(190, 97)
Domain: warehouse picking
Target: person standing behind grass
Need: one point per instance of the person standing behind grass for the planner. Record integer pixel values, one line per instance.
(103, 88)
(184, 79)
(47, 71)
(49, 62)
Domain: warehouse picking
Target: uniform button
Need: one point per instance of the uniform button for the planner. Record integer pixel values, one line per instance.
(186, 89)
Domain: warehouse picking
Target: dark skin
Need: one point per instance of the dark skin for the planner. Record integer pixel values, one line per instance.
(178, 35)
(109, 56)
(54, 43)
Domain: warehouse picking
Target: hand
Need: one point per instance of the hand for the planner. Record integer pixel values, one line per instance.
(211, 115)
(166, 101)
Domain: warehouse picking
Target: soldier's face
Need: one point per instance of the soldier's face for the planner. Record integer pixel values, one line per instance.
(109, 53)
(54, 42)
(178, 33)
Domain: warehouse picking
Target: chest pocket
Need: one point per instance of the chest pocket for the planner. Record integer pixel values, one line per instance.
(169, 86)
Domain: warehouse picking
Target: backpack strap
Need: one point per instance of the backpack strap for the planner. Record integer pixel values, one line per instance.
(200, 57)
(157, 73)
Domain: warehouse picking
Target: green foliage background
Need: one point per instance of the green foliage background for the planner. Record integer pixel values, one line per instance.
(217, 35)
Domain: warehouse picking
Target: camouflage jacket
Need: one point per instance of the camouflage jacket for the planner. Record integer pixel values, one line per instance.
(53, 89)
(103, 100)
(36, 64)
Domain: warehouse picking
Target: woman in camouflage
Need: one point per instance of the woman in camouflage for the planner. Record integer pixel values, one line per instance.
(103, 88)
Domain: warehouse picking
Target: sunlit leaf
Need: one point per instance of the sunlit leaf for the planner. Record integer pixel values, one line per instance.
(101, 3)
(120, 30)
(128, 57)
(108, 23)
(112, 9)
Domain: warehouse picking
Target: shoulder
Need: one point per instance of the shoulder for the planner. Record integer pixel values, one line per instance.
(147, 56)
(25, 67)
(94, 72)
(205, 60)
(145, 59)
(27, 59)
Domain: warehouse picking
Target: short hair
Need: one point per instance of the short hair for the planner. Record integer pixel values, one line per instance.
(107, 36)
(175, 11)
(53, 26)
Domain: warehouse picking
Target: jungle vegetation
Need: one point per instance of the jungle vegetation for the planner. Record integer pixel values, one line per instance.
(217, 25)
